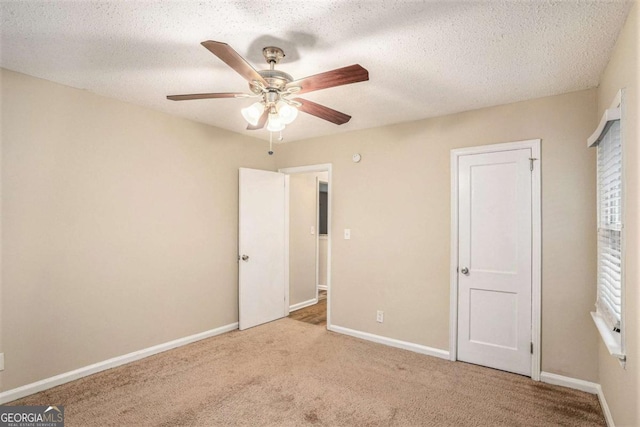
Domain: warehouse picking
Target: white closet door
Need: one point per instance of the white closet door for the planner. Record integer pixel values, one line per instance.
(494, 275)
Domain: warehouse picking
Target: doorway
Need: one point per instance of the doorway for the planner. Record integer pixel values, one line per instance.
(308, 257)
(495, 268)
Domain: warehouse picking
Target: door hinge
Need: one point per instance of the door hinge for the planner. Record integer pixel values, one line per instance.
(531, 348)
(531, 160)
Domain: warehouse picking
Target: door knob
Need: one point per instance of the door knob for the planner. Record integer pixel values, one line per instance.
(465, 271)
(245, 257)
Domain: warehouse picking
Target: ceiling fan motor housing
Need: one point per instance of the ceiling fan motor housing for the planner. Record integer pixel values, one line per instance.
(276, 79)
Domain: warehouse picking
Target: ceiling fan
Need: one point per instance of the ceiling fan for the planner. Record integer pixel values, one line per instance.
(276, 90)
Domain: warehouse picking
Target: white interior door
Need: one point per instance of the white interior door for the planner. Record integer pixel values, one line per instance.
(262, 207)
(495, 264)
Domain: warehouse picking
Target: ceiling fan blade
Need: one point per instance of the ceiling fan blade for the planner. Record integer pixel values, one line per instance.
(205, 96)
(341, 76)
(322, 112)
(261, 122)
(234, 60)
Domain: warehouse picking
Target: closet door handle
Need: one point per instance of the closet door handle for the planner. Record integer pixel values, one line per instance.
(465, 271)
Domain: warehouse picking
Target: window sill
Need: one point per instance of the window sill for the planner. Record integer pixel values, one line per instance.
(612, 340)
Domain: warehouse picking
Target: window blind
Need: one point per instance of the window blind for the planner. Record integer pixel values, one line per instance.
(609, 301)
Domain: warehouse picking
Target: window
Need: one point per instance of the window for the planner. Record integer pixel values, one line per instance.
(609, 301)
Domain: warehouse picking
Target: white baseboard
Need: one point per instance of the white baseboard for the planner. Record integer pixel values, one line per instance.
(589, 387)
(582, 385)
(302, 304)
(605, 407)
(323, 287)
(26, 390)
(418, 348)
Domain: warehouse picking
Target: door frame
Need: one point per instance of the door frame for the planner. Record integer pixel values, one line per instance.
(536, 244)
(324, 167)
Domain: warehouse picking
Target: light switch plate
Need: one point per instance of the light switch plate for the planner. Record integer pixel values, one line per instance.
(347, 233)
(1, 361)
(313, 230)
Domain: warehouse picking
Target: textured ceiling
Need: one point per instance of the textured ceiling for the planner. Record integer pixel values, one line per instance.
(424, 59)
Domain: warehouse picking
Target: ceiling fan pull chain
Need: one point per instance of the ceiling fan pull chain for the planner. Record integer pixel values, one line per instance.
(270, 143)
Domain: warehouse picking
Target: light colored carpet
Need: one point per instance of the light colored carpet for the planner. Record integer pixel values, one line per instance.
(290, 373)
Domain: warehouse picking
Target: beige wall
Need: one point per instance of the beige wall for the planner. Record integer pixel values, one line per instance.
(119, 227)
(302, 244)
(396, 202)
(622, 386)
(1, 222)
(323, 247)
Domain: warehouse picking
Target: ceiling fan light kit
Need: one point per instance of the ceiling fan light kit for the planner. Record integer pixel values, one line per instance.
(287, 112)
(275, 108)
(253, 112)
(274, 123)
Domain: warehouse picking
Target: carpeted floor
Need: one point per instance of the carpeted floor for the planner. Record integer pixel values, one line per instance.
(290, 373)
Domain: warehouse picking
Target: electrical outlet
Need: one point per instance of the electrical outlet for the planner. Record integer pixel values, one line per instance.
(347, 233)
(380, 316)
(1, 361)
